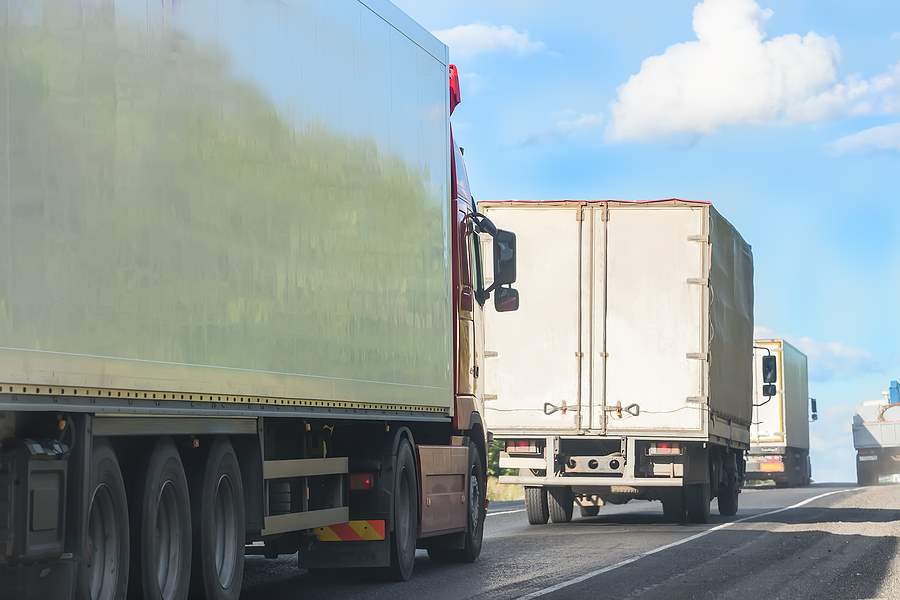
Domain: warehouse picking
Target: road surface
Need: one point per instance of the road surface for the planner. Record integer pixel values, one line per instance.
(824, 542)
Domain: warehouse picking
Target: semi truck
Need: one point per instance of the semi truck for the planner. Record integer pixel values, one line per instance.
(242, 296)
(779, 434)
(876, 438)
(626, 373)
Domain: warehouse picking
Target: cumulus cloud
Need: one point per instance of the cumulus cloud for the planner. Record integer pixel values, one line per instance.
(884, 138)
(733, 74)
(566, 125)
(467, 41)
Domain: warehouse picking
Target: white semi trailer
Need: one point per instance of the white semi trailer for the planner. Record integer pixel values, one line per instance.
(779, 435)
(242, 302)
(626, 372)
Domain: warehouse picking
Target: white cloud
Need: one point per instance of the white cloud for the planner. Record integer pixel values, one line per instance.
(733, 74)
(835, 360)
(884, 138)
(467, 41)
(826, 360)
(567, 124)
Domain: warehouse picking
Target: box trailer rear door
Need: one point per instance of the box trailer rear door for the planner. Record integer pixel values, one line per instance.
(655, 319)
(532, 364)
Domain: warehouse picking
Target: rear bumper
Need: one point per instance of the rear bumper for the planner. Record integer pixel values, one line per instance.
(635, 482)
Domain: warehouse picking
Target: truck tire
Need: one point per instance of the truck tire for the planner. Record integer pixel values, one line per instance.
(865, 474)
(103, 574)
(561, 503)
(696, 500)
(729, 496)
(160, 526)
(589, 511)
(474, 534)
(673, 507)
(217, 498)
(536, 505)
(405, 516)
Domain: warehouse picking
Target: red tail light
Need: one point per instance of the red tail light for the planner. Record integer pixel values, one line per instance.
(664, 449)
(523, 447)
(362, 481)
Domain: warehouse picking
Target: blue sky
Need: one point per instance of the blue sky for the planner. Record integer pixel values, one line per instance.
(785, 114)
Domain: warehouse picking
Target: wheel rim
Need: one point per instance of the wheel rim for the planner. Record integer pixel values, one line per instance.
(169, 532)
(403, 528)
(104, 543)
(225, 527)
(474, 499)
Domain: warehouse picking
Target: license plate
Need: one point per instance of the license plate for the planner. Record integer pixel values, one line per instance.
(772, 467)
(867, 458)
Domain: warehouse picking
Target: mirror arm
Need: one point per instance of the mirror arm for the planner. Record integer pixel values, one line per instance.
(484, 224)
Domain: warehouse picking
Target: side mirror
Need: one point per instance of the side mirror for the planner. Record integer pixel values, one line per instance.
(504, 258)
(814, 410)
(769, 369)
(506, 299)
(769, 390)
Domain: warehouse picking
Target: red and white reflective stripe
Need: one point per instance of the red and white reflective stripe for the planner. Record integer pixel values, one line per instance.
(352, 531)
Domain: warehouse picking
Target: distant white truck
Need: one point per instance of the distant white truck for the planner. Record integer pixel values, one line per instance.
(626, 373)
(876, 437)
(779, 434)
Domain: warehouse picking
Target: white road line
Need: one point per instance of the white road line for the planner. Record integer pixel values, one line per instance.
(506, 512)
(691, 538)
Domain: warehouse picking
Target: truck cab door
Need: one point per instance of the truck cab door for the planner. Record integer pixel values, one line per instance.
(468, 371)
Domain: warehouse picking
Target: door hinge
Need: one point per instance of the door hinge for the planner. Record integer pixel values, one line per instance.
(698, 238)
(697, 399)
(698, 356)
(698, 281)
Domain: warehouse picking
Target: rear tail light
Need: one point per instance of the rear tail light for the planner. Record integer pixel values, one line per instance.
(664, 449)
(523, 447)
(362, 481)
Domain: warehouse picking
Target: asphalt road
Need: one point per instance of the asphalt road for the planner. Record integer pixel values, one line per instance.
(824, 542)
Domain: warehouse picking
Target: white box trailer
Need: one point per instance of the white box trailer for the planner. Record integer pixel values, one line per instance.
(779, 433)
(626, 371)
(238, 302)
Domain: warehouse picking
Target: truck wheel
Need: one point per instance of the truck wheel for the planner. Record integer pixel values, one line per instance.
(589, 511)
(865, 474)
(160, 526)
(406, 515)
(673, 507)
(728, 499)
(697, 499)
(103, 575)
(217, 496)
(561, 503)
(474, 534)
(536, 505)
